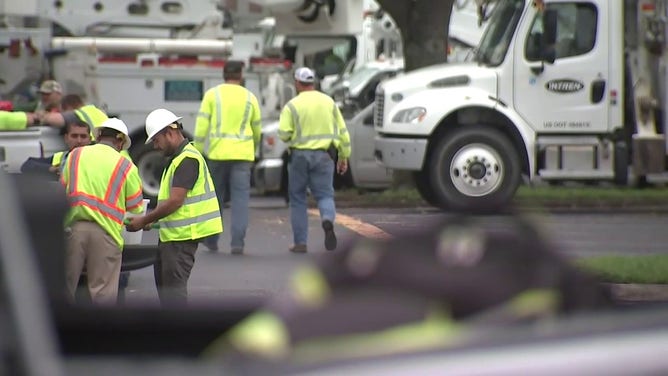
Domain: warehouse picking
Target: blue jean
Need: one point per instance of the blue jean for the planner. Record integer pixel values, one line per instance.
(237, 176)
(313, 169)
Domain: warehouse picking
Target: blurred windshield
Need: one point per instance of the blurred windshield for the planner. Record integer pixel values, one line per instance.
(499, 33)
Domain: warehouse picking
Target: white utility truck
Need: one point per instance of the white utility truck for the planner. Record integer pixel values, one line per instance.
(129, 57)
(560, 90)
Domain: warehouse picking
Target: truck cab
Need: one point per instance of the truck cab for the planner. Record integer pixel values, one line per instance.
(547, 96)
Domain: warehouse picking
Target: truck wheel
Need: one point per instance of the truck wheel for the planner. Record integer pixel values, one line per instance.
(424, 188)
(475, 169)
(150, 163)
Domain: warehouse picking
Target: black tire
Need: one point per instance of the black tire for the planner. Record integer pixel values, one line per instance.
(475, 169)
(151, 164)
(424, 188)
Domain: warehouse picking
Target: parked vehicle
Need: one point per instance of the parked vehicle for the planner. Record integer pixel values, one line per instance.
(128, 57)
(355, 94)
(559, 90)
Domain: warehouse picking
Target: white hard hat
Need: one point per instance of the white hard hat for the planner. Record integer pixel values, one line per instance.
(158, 120)
(117, 124)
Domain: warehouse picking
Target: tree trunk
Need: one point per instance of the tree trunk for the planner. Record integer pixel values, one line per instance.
(424, 29)
(424, 26)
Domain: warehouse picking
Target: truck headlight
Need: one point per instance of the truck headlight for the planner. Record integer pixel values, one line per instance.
(410, 115)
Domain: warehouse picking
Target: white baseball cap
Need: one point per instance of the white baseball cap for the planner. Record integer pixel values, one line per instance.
(305, 75)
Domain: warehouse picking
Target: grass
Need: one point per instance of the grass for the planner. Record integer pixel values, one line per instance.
(527, 196)
(650, 269)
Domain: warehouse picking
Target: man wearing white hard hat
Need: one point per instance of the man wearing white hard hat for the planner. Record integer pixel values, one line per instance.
(101, 187)
(187, 209)
(312, 125)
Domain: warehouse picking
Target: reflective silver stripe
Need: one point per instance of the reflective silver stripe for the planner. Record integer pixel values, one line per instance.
(244, 120)
(61, 165)
(104, 208)
(203, 115)
(219, 113)
(199, 198)
(114, 187)
(315, 137)
(256, 122)
(200, 139)
(190, 221)
(284, 134)
(197, 155)
(295, 120)
(335, 121)
(85, 116)
(134, 202)
(233, 136)
(74, 173)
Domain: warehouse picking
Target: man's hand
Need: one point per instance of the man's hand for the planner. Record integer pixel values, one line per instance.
(135, 224)
(342, 166)
(55, 170)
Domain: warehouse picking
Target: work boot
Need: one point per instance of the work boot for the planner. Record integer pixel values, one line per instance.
(330, 236)
(237, 251)
(298, 248)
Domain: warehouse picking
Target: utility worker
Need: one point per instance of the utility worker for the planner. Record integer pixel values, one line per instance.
(187, 209)
(76, 134)
(101, 186)
(227, 133)
(51, 95)
(16, 120)
(428, 290)
(75, 109)
(312, 125)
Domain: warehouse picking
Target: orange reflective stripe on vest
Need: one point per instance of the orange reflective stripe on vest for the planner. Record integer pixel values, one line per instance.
(107, 205)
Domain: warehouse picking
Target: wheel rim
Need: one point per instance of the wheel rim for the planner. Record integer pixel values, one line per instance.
(150, 166)
(476, 170)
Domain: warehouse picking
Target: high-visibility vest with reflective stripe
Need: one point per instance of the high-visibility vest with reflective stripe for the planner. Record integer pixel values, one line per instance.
(199, 216)
(13, 121)
(92, 115)
(101, 186)
(228, 125)
(312, 120)
(58, 158)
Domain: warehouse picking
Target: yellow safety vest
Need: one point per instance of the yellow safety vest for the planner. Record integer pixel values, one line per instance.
(101, 186)
(312, 120)
(58, 158)
(13, 121)
(228, 125)
(92, 115)
(199, 216)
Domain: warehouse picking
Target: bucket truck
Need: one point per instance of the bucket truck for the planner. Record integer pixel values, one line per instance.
(129, 57)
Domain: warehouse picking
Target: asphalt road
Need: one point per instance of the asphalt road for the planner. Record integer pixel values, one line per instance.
(266, 265)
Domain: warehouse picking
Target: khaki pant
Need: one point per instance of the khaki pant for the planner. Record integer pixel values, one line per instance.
(91, 246)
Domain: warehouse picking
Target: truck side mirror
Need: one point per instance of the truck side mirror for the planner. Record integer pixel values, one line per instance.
(549, 39)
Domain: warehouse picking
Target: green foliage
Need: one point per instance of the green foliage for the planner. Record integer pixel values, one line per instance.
(648, 269)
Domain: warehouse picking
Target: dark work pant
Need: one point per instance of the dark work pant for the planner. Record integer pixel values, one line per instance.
(172, 270)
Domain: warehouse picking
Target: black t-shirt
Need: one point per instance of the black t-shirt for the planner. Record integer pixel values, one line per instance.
(186, 172)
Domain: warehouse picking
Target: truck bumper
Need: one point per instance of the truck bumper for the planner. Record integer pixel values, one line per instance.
(401, 153)
(267, 175)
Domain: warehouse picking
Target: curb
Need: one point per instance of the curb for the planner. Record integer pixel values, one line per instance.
(547, 207)
(638, 293)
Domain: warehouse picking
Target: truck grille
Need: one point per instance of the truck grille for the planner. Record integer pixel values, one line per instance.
(380, 100)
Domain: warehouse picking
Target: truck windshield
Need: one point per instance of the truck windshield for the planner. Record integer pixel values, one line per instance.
(494, 43)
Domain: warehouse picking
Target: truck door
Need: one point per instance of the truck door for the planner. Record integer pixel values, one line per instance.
(367, 172)
(568, 95)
